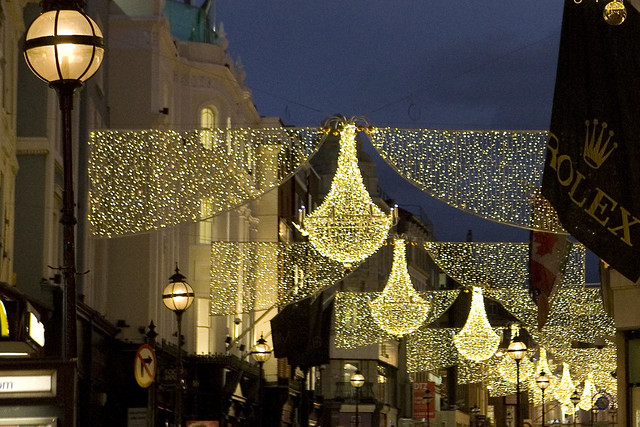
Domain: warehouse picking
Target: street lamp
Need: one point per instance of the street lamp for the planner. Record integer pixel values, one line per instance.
(575, 399)
(64, 47)
(543, 382)
(261, 352)
(427, 399)
(475, 411)
(178, 296)
(357, 381)
(516, 350)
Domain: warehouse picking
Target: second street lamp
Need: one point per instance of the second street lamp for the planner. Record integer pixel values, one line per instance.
(428, 399)
(357, 381)
(261, 352)
(517, 350)
(178, 296)
(543, 382)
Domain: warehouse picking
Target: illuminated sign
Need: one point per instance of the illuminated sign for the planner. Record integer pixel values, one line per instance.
(36, 329)
(34, 383)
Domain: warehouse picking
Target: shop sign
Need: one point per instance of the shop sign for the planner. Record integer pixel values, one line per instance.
(32, 383)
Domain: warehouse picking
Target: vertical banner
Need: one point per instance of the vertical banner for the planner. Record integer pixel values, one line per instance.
(420, 408)
(592, 170)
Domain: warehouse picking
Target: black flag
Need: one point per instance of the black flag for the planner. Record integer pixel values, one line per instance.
(592, 170)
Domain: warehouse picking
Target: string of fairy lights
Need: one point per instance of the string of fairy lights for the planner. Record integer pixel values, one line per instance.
(150, 179)
(145, 180)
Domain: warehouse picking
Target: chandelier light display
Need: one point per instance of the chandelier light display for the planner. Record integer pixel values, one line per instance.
(535, 393)
(563, 391)
(347, 227)
(399, 310)
(586, 403)
(477, 340)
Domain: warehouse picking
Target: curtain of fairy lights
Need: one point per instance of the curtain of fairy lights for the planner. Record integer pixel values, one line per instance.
(247, 276)
(145, 180)
(493, 174)
(497, 264)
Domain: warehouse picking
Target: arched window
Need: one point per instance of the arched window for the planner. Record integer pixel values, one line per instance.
(207, 123)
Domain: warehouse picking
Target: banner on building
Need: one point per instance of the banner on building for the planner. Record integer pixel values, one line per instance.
(421, 407)
(592, 170)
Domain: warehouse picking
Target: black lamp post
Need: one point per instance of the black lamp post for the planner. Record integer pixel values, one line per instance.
(178, 296)
(475, 411)
(357, 381)
(428, 399)
(261, 352)
(575, 399)
(517, 350)
(543, 382)
(64, 47)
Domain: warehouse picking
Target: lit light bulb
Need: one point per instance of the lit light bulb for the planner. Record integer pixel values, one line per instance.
(477, 341)
(399, 310)
(614, 12)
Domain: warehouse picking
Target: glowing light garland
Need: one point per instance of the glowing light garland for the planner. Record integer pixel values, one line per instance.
(497, 265)
(477, 341)
(248, 276)
(347, 226)
(535, 394)
(565, 388)
(355, 326)
(493, 174)
(399, 310)
(144, 180)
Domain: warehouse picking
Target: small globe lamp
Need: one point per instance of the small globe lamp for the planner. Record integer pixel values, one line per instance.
(543, 382)
(517, 350)
(178, 296)
(357, 381)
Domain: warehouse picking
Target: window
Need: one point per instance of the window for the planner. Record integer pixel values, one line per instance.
(203, 326)
(207, 123)
(205, 226)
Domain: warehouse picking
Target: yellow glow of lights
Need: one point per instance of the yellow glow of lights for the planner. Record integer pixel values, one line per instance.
(347, 227)
(477, 340)
(494, 174)
(535, 394)
(563, 391)
(399, 310)
(150, 179)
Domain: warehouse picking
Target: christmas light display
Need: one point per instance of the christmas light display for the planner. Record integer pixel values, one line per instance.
(565, 388)
(497, 264)
(477, 340)
(248, 276)
(347, 226)
(144, 180)
(542, 365)
(493, 174)
(399, 310)
(356, 327)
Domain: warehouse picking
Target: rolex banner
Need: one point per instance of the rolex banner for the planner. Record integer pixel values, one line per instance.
(592, 170)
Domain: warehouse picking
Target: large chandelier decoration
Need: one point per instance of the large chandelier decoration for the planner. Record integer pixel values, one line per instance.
(477, 340)
(399, 310)
(347, 227)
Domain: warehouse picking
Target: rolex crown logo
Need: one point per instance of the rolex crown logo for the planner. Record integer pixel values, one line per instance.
(596, 148)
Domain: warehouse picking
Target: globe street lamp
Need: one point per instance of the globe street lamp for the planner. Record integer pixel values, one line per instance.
(178, 296)
(261, 352)
(575, 399)
(357, 381)
(475, 411)
(428, 399)
(543, 382)
(64, 47)
(517, 350)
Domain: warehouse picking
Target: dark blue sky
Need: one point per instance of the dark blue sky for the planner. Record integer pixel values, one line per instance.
(415, 64)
